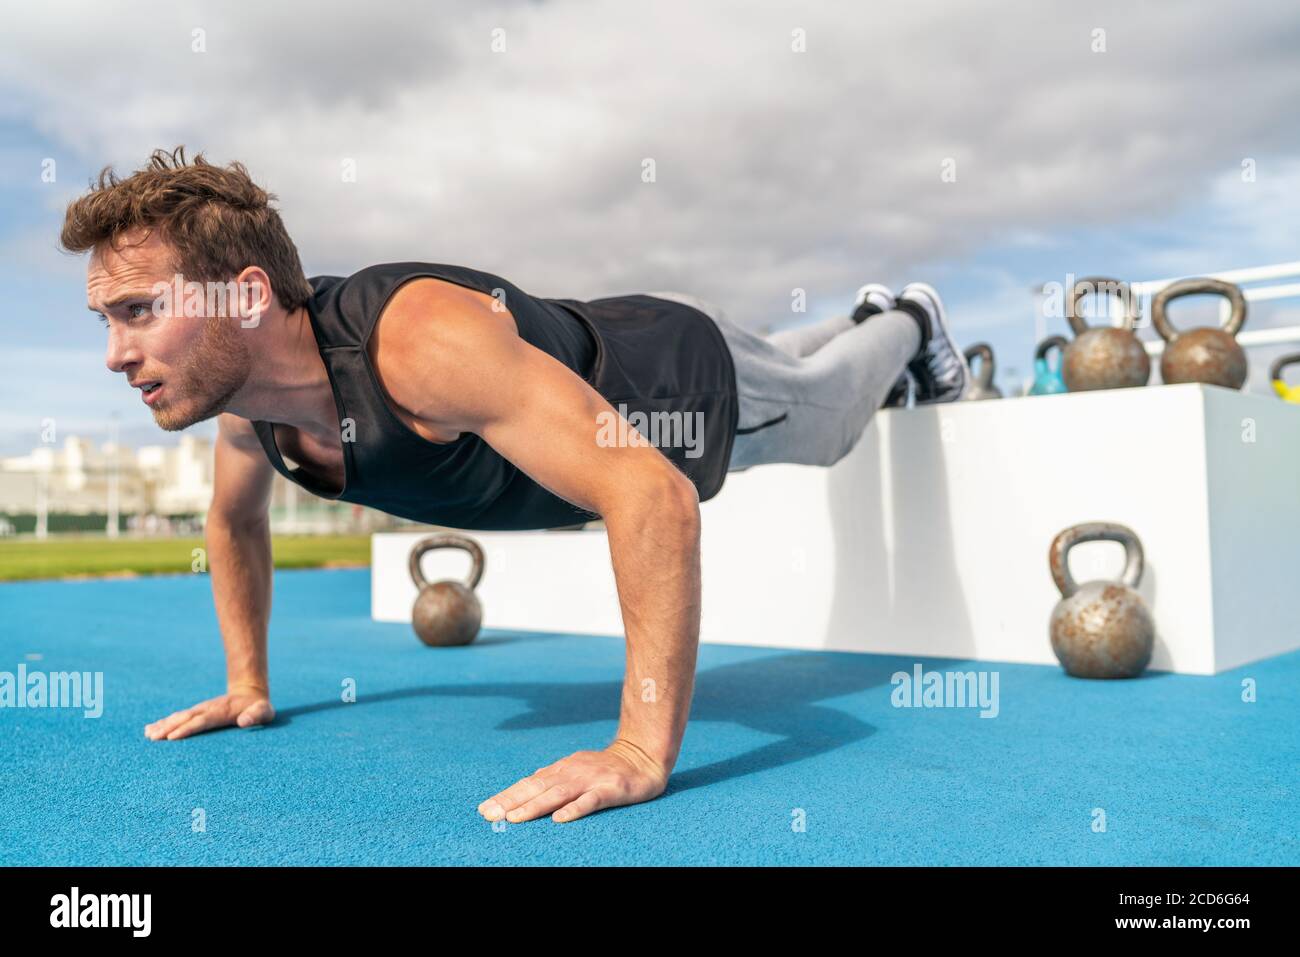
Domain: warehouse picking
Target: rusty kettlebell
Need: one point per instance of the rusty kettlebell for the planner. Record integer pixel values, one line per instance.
(982, 387)
(1100, 629)
(446, 613)
(1209, 355)
(1104, 357)
(1288, 393)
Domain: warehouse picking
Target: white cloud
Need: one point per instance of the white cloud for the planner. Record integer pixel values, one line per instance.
(775, 169)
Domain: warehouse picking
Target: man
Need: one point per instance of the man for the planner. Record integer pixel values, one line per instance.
(449, 396)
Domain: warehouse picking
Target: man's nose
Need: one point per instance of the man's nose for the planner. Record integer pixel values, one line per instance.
(120, 353)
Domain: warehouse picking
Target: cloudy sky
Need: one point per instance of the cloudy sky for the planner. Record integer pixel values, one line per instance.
(795, 145)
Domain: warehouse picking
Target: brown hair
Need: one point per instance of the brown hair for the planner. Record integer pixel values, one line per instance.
(216, 219)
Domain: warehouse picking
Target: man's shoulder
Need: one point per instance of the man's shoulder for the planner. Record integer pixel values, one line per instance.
(435, 350)
(431, 304)
(380, 274)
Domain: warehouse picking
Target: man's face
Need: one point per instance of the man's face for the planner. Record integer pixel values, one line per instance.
(200, 361)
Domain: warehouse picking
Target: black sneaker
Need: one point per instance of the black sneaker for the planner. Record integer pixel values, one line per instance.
(939, 368)
(873, 298)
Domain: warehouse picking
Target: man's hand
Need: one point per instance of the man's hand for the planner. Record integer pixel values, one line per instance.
(581, 784)
(244, 707)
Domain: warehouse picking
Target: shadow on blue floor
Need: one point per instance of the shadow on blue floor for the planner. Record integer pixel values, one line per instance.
(790, 758)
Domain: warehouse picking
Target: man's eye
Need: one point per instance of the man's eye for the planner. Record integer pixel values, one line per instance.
(142, 306)
(103, 320)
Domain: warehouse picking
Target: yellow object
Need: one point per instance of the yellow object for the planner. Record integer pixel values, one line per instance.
(1289, 393)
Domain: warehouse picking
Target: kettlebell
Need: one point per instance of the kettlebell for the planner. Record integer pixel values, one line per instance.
(1047, 378)
(1289, 393)
(1105, 357)
(1100, 629)
(983, 387)
(1209, 355)
(446, 613)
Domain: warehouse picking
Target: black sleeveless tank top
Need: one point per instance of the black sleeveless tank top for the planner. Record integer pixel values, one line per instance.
(644, 354)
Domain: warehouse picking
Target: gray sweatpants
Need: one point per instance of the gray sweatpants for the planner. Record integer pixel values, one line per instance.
(807, 394)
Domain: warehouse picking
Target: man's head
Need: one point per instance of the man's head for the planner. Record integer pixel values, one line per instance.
(186, 259)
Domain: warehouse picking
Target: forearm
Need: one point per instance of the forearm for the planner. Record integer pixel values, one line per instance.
(655, 546)
(239, 562)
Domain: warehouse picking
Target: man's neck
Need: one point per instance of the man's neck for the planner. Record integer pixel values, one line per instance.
(287, 380)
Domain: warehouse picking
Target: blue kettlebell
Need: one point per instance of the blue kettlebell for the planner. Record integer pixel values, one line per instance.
(1047, 379)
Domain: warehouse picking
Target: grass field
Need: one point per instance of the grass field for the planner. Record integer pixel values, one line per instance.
(93, 556)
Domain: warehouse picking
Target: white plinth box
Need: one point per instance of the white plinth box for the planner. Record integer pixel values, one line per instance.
(931, 537)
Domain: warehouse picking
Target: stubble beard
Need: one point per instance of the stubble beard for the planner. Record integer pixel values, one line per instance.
(213, 371)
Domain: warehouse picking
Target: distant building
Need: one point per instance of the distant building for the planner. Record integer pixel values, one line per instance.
(152, 485)
(77, 478)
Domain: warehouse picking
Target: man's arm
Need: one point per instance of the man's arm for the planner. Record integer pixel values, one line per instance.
(446, 357)
(238, 536)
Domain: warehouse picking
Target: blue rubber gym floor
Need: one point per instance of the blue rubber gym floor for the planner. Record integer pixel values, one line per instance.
(1182, 770)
